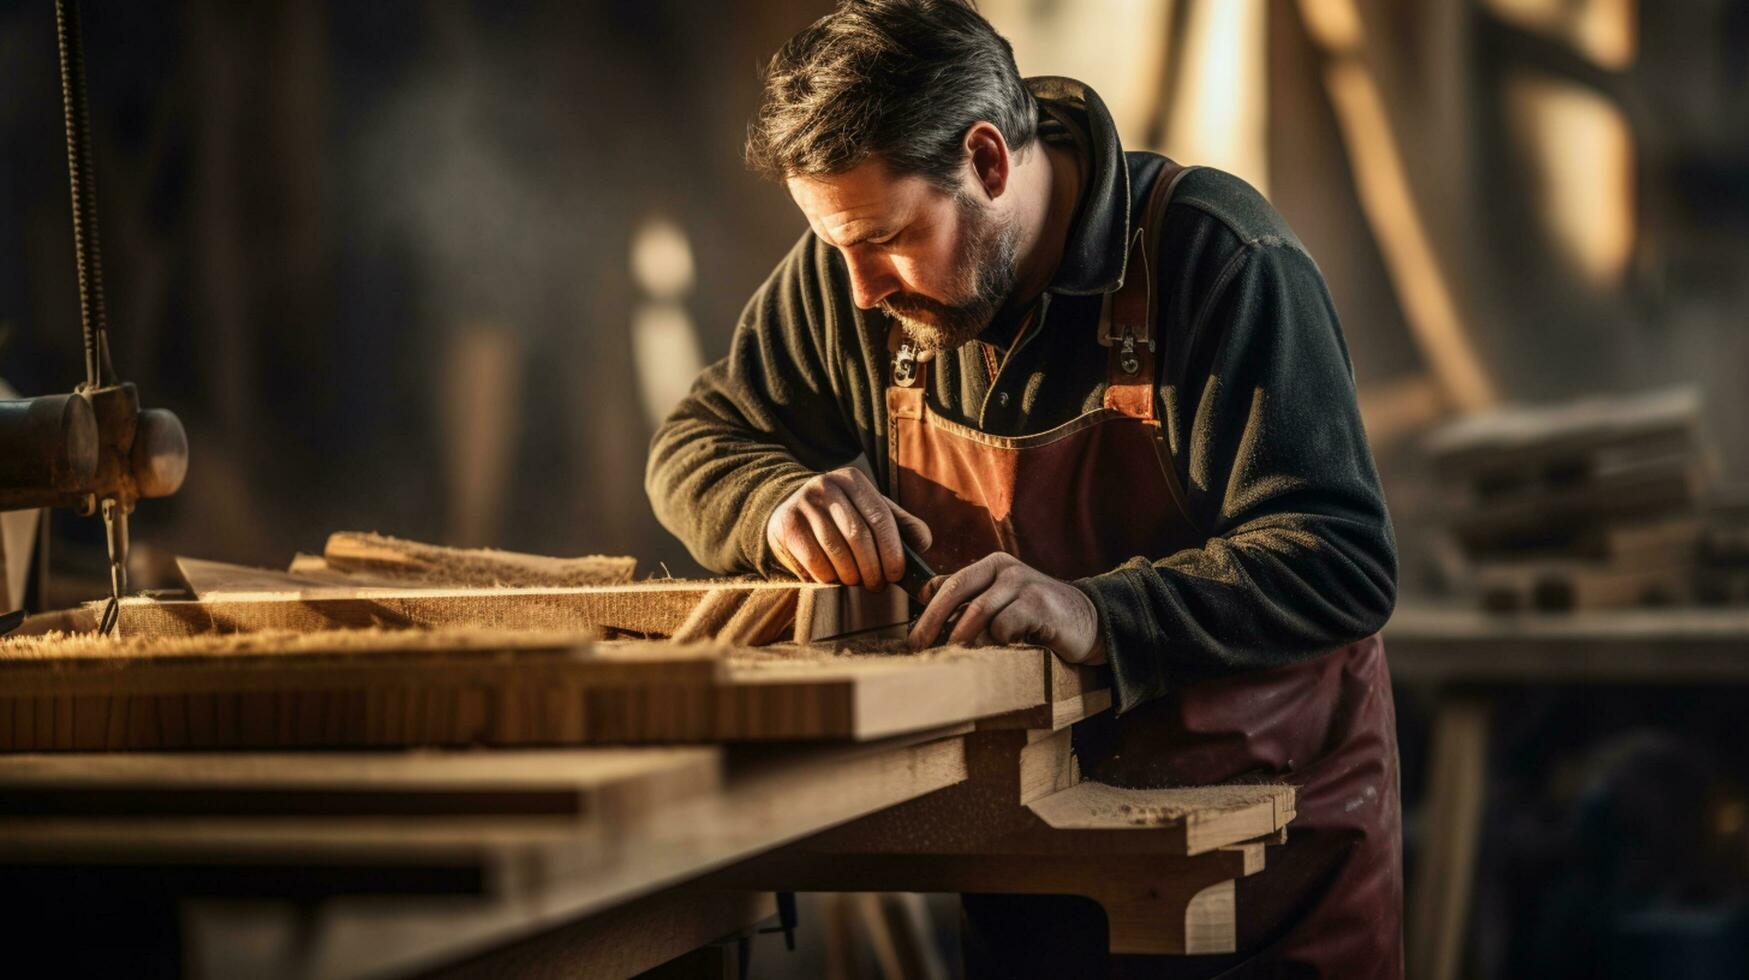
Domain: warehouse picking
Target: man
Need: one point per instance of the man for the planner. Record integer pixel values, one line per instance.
(1111, 398)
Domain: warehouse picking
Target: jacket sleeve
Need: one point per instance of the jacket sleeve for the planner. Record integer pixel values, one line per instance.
(1267, 442)
(756, 424)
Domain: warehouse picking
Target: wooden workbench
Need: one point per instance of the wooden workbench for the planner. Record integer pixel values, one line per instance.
(1461, 659)
(374, 856)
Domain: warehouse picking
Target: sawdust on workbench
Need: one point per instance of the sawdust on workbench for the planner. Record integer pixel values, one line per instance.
(782, 655)
(1188, 800)
(430, 564)
(56, 646)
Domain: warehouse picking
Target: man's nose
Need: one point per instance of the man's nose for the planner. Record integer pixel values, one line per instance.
(871, 281)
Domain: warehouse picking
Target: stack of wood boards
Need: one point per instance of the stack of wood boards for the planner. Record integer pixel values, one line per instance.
(373, 688)
(1591, 504)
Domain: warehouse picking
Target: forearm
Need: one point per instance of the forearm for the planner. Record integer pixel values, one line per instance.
(1298, 556)
(1281, 589)
(714, 485)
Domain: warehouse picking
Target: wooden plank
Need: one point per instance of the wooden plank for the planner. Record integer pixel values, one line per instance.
(657, 609)
(568, 782)
(538, 874)
(654, 608)
(355, 689)
(414, 561)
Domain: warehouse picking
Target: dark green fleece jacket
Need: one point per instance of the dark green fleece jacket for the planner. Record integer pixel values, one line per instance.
(1256, 394)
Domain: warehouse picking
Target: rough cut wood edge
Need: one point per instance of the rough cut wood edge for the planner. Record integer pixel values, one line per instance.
(415, 561)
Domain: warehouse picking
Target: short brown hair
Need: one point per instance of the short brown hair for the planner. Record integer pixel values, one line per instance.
(904, 79)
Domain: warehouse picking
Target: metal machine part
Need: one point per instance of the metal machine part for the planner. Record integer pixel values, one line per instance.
(95, 451)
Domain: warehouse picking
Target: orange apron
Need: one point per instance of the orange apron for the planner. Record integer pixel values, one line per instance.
(1080, 499)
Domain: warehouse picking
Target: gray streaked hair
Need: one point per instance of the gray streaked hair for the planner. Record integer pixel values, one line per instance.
(899, 79)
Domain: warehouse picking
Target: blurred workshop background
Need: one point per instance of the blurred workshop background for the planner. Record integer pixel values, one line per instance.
(474, 252)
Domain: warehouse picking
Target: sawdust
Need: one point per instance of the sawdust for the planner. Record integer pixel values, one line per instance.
(1191, 800)
(73, 647)
(414, 562)
(784, 655)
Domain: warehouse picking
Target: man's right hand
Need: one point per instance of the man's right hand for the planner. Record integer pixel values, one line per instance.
(839, 528)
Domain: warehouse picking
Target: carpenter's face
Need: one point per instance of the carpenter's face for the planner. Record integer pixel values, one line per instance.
(939, 263)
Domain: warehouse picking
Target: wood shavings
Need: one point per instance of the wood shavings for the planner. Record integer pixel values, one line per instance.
(58, 646)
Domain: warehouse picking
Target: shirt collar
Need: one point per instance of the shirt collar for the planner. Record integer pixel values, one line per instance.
(1098, 242)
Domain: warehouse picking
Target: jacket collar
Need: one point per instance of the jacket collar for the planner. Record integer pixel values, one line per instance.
(1098, 242)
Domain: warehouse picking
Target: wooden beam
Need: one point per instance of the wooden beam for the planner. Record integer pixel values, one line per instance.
(531, 875)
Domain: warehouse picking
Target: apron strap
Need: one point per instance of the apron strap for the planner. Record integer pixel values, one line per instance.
(1126, 324)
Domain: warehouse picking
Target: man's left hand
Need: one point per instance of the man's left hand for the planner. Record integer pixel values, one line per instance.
(1008, 601)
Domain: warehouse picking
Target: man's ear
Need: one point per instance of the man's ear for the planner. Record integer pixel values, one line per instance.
(988, 153)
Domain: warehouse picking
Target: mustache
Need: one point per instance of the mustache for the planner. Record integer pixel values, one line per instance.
(913, 305)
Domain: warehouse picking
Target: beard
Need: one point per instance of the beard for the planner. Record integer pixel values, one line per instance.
(985, 277)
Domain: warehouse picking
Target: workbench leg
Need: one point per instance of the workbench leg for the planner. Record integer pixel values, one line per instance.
(1446, 870)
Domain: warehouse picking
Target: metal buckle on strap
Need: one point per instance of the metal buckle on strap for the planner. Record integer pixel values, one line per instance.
(905, 365)
(1126, 352)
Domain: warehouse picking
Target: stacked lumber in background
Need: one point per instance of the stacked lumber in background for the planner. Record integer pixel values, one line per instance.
(1593, 504)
